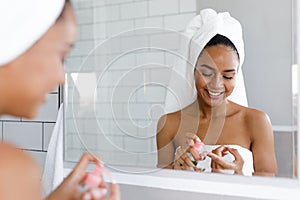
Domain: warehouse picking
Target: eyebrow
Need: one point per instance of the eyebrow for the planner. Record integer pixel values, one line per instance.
(213, 69)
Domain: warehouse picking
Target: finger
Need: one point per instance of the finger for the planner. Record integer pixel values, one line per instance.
(114, 192)
(217, 171)
(102, 184)
(220, 161)
(195, 154)
(96, 193)
(178, 162)
(236, 154)
(218, 151)
(202, 156)
(190, 137)
(79, 171)
(178, 152)
(188, 162)
(200, 169)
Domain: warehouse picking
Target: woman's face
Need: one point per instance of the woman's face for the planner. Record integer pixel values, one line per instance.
(215, 74)
(38, 71)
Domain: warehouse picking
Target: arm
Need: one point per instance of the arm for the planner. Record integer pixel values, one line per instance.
(68, 189)
(164, 141)
(262, 144)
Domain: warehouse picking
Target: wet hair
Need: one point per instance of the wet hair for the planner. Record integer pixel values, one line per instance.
(221, 40)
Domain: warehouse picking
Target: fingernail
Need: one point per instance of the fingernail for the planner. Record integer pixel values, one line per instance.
(113, 181)
(87, 196)
(99, 193)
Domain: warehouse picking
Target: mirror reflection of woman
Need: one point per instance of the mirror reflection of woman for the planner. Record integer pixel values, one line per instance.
(238, 139)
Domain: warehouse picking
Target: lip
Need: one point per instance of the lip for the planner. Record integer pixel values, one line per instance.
(214, 94)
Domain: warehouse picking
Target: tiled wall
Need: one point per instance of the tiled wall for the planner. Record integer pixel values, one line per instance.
(33, 135)
(122, 133)
(106, 133)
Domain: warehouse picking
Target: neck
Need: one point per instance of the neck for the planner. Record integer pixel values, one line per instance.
(208, 111)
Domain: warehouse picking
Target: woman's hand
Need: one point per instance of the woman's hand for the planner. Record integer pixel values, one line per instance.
(183, 160)
(69, 188)
(219, 165)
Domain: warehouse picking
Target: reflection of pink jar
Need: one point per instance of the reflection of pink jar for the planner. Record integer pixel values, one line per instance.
(94, 179)
(199, 146)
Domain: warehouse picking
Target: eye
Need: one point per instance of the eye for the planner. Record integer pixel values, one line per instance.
(206, 74)
(228, 77)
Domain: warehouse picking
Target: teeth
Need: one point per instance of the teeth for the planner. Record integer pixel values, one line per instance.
(214, 93)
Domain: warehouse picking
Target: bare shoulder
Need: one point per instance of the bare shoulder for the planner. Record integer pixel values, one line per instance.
(18, 170)
(257, 123)
(169, 123)
(256, 117)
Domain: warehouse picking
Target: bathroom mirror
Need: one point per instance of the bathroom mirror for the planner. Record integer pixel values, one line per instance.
(117, 75)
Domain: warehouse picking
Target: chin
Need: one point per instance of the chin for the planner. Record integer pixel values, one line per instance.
(30, 114)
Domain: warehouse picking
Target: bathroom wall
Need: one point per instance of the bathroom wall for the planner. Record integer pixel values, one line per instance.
(32, 135)
(101, 21)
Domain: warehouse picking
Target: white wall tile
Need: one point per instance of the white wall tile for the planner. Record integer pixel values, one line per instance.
(137, 145)
(85, 3)
(118, 1)
(134, 10)
(163, 7)
(169, 41)
(72, 64)
(48, 111)
(152, 94)
(109, 143)
(73, 154)
(126, 61)
(39, 157)
(155, 22)
(86, 31)
(150, 57)
(118, 27)
(99, 31)
(48, 129)
(84, 16)
(109, 111)
(178, 22)
(187, 5)
(26, 135)
(98, 2)
(82, 48)
(133, 43)
(124, 127)
(148, 160)
(161, 75)
(123, 158)
(107, 13)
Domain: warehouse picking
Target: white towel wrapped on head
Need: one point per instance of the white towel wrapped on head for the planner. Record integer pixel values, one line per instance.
(24, 22)
(201, 29)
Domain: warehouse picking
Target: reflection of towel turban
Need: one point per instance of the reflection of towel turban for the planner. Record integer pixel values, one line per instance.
(198, 33)
(23, 22)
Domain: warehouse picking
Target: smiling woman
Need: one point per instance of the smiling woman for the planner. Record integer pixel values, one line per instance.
(233, 132)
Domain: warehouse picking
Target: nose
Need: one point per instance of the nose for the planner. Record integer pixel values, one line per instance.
(216, 82)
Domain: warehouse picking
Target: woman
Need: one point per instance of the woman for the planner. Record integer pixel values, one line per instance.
(238, 139)
(35, 38)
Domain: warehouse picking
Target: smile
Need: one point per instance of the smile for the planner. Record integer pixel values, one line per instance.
(214, 93)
